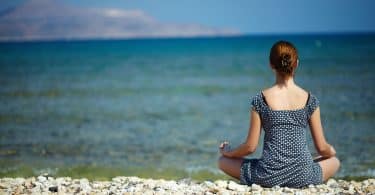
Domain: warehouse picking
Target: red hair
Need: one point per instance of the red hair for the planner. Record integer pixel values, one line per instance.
(283, 58)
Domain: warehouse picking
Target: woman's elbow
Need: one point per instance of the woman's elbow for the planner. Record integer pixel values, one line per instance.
(250, 149)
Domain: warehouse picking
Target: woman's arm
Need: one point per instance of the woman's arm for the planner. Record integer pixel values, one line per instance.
(320, 142)
(251, 142)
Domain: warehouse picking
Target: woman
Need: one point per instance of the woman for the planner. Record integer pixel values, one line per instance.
(284, 111)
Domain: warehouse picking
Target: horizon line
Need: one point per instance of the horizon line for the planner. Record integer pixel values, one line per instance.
(239, 35)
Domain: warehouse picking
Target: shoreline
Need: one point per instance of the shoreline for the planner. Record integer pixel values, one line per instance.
(119, 185)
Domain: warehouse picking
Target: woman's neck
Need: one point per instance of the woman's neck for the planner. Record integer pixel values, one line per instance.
(284, 82)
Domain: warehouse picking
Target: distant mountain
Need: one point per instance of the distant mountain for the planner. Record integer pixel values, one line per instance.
(50, 19)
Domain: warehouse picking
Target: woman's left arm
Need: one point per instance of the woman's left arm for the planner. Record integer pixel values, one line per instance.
(251, 143)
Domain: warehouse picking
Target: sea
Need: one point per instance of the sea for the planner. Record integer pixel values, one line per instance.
(158, 108)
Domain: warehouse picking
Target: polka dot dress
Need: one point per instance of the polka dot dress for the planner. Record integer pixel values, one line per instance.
(286, 159)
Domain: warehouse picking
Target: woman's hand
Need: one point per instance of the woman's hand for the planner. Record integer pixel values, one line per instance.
(329, 151)
(225, 149)
(332, 151)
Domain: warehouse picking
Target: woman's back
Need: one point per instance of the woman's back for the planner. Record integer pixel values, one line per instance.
(284, 98)
(286, 160)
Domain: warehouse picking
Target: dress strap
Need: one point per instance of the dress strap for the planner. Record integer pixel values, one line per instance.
(264, 98)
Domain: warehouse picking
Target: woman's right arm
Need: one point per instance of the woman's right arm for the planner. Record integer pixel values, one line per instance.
(321, 145)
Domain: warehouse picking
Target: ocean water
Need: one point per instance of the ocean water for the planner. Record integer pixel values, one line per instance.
(159, 107)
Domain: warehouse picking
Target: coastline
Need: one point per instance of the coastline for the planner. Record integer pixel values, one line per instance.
(119, 185)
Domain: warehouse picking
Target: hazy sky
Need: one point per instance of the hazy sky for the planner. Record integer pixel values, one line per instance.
(248, 16)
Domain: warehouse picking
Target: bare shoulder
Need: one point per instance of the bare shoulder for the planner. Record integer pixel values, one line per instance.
(270, 91)
(286, 98)
(301, 92)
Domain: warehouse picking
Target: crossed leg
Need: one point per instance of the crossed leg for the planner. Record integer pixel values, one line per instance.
(230, 166)
(329, 166)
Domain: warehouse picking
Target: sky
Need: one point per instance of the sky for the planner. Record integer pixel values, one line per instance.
(201, 17)
(261, 16)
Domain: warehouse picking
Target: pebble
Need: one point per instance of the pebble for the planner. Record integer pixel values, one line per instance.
(53, 189)
(236, 187)
(221, 184)
(42, 179)
(255, 187)
(370, 188)
(124, 185)
(313, 190)
(332, 183)
(287, 190)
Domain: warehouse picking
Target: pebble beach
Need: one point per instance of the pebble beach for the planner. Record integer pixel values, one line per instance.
(45, 184)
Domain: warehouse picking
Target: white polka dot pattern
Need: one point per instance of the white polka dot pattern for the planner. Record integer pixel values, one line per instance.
(286, 159)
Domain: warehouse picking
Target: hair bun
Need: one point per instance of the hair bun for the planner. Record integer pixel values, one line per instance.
(286, 60)
(283, 58)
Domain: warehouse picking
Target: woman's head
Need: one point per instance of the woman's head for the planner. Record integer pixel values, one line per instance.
(284, 58)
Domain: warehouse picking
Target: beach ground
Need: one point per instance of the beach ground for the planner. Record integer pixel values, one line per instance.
(45, 184)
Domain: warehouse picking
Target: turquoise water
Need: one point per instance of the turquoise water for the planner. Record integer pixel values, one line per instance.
(159, 107)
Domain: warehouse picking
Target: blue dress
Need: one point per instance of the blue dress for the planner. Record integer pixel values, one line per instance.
(286, 159)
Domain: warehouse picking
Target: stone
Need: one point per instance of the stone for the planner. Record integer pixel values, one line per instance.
(370, 189)
(96, 185)
(300, 193)
(135, 185)
(19, 181)
(221, 184)
(236, 187)
(257, 193)
(208, 193)
(119, 180)
(276, 188)
(29, 184)
(210, 186)
(313, 190)
(224, 192)
(351, 189)
(255, 187)
(332, 183)
(3, 186)
(35, 190)
(131, 189)
(53, 189)
(287, 190)
(171, 185)
(41, 179)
